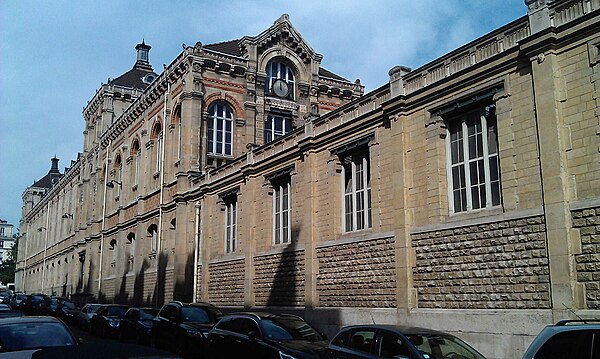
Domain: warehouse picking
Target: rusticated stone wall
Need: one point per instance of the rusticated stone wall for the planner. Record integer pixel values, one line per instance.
(226, 283)
(357, 274)
(588, 262)
(495, 265)
(279, 279)
(198, 294)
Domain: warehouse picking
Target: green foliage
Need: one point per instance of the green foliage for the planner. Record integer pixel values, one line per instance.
(7, 268)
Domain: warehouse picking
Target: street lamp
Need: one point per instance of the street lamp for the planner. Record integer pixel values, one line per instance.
(41, 229)
(111, 184)
(67, 215)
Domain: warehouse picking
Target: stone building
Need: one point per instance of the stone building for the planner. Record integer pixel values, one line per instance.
(463, 195)
(7, 240)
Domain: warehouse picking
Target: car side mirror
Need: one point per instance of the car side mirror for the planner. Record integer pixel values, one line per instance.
(252, 335)
(80, 341)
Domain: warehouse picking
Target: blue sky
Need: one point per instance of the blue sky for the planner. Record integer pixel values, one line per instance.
(54, 55)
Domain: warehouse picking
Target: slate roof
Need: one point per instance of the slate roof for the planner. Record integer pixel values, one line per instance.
(51, 178)
(133, 78)
(233, 48)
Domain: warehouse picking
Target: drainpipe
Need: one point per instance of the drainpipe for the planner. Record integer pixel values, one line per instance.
(103, 219)
(197, 241)
(45, 244)
(25, 263)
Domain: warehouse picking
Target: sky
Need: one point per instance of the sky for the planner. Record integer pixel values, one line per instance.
(55, 54)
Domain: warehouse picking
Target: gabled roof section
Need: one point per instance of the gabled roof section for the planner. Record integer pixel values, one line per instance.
(51, 178)
(281, 31)
(331, 75)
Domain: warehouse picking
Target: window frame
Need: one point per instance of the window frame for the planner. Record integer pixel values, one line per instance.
(270, 133)
(354, 194)
(230, 224)
(212, 129)
(459, 160)
(282, 217)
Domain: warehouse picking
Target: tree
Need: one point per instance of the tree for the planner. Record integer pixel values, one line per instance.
(7, 268)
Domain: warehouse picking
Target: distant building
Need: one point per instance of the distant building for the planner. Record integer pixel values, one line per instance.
(7, 239)
(463, 195)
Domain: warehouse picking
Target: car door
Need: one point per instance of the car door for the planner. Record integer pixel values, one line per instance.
(390, 345)
(162, 331)
(575, 344)
(358, 343)
(222, 338)
(128, 323)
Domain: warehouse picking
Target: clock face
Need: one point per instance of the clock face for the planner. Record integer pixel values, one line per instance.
(280, 88)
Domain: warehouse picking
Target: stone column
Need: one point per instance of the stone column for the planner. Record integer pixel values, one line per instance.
(556, 185)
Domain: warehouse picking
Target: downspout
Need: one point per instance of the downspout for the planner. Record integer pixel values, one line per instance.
(197, 241)
(162, 179)
(103, 219)
(45, 244)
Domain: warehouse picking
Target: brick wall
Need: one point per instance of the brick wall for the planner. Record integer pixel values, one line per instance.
(226, 282)
(357, 274)
(279, 279)
(588, 262)
(495, 265)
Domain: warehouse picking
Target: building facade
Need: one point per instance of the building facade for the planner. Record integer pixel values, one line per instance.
(463, 195)
(7, 240)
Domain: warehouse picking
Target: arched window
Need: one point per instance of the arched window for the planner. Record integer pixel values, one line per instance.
(131, 241)
(280, 80)
(220, 129)
(157, 136)
(135, 152)
(118, 173)
(176, 121)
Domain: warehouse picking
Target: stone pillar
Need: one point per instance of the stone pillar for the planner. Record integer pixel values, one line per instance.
(192, 121)
(397, 81)
(183, 256)
(539, 14)
(556, 185)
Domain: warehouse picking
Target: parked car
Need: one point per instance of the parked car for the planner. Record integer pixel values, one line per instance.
(37, 304)
(264, 335)
(395, 341)
(567, 339)
(18, 301)
(103, 350)
(26, 335)
(107, 320)
(137, 324)
(64, 309)
(182, 328)
(5, 296)
(86, 314)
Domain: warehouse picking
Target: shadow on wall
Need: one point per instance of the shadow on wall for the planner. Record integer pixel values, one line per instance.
(183, 290)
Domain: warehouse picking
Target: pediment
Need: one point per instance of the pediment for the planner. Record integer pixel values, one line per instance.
(281, 33)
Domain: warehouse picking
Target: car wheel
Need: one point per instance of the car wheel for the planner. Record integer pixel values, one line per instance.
(180, 349)
(104, 332)
(153, 342)
(138, 339)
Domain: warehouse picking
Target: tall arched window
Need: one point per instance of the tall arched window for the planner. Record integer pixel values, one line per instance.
(118, 173)
(280, 80)
(176, 121)
(135, 152)
(153, 234)
(157, 136)
(220, 129)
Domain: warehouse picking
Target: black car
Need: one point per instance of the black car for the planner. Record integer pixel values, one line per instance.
(394, 341)
(136, 324)
(264, 335)
(18, 301)
(37, 304)
(5, 296)
(107, 320)
(182, 328)
(64, 309)
(567, 339)
(29, 334)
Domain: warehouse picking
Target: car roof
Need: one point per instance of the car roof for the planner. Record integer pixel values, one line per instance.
(560, 327)
(402, 329)
(28, 319)
(264, 315)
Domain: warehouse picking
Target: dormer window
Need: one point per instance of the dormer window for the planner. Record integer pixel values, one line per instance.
(280, 80)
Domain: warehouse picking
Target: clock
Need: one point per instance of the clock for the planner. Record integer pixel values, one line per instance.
(280, 88)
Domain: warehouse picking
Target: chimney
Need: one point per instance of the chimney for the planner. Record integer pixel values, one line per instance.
(142, 55)
(54, 168)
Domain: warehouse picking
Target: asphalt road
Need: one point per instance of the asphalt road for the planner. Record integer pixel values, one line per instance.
(86, 336)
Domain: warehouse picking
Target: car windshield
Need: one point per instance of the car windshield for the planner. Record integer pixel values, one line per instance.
(289, 329)
(23, 336)
(200, 314)
(440, 346)
(69, 305)
(148, 314)
(36, 299)
(115, 311)
(22, 296)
